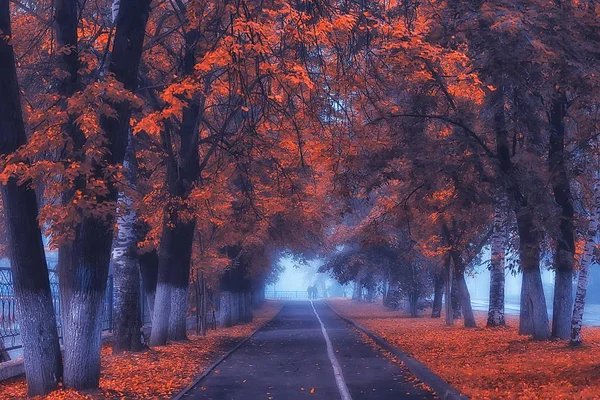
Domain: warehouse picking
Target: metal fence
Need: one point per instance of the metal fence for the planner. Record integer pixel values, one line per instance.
(286, 294)
(9, 324)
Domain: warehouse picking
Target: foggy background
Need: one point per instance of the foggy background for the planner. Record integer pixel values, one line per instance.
(297, 278)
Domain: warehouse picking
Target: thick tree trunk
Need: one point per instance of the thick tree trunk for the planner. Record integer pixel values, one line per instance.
(497, 278)
(127, 321)
(180, 279)
(41, 352)
(37, 322)
(534, 315)
(84, 272)
(178, 317)
(465, 301)
(87, 267)
(149, 270)
(438, 293)
(126, 277)
(562, 310)
(170, 306)
(564, 259)
(586, 261)
(463, 291)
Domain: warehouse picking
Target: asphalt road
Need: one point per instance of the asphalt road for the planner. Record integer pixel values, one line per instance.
(289, 359)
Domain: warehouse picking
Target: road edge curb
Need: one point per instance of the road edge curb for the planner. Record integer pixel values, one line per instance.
(214, 365)
(441, 388)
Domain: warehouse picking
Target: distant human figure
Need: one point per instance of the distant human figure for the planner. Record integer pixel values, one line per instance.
(315, 292)
(312, 292)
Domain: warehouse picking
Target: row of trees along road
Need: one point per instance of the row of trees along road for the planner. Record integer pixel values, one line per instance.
(397, 138)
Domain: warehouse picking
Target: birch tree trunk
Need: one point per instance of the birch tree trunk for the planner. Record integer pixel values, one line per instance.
(41, 351)
(127, 321)
(586, 261)
(497, 277)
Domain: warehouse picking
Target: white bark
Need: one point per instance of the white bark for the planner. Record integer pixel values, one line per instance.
(126, 280)
(177, 318)
(586, 260)
(497, 279)
(162, 311)
(82, 350)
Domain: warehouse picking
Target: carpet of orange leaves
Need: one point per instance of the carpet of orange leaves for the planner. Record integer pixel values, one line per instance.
(157, 373)
(488, 363)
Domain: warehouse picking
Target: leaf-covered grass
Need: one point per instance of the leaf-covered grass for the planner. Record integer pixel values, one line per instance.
(157, 373)
(488, 363)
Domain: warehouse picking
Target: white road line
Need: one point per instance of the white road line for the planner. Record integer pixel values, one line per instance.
(337, 369)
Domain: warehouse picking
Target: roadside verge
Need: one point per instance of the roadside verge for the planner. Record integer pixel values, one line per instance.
(441, 388)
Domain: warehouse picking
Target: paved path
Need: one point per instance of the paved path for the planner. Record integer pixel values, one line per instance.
(289, 359)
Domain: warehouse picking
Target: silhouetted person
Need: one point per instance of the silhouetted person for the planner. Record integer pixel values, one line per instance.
(309, 290)
(315, 292)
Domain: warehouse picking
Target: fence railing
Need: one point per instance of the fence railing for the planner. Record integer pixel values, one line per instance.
(286, 294)
(9, 323)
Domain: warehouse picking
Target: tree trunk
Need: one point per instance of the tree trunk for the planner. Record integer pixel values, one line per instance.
(448, 291)
(37, 321)
(225, 320)
(438, 293)
(534, 315)
(586, 260)
(463, 291)
(413, 299)
(84, 272)
(127, 321)
(497, 278)
(149, 270)
(86, 292)
(465, 301)
(170, 307)
(455, 298)
(564, 259)
(41, 351)
(235, 307)
(357, 292)
(180, 279)
(204, 305)
(248, 307)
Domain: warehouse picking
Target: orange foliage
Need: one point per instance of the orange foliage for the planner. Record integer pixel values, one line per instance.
(488, 363)
(154, 374)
